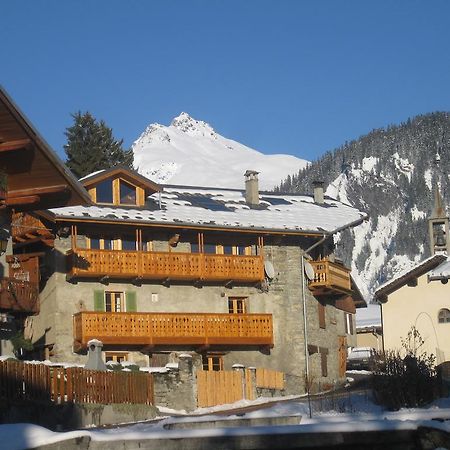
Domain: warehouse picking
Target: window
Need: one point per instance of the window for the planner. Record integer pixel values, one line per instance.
(444, 315)
(104, 192)
(321, 310)
(212, 362)
(117, 357)
(348, 323)
(128, 243)
(100, 243)
(237, 305)
(114, 301)
(127, 193)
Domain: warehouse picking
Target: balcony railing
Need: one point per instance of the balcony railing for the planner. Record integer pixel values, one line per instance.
(167, 329)
(330, 278)
(166, 265)
(19, 296)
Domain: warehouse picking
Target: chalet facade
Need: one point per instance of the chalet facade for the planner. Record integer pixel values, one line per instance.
(31, 178)
(150, 270)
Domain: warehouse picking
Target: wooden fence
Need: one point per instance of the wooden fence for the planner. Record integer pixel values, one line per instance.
(39, 382)
(229, 386)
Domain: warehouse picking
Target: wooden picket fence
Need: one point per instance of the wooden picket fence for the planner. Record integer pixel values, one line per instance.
(269, 379)
(229, 386)
(39, 382)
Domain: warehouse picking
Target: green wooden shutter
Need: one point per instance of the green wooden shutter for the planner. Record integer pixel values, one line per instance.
(131, 301)
(99, 301)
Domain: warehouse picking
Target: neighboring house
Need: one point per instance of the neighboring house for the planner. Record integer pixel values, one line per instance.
(369, 332)
(151, 270)
(419, 297)
(31, 178)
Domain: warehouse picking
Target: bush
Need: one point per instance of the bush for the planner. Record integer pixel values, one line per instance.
(406, 378)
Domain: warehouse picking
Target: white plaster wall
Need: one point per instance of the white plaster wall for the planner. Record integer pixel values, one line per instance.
(418, 306)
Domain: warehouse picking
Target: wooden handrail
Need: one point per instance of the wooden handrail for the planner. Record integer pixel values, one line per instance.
(328, 274)
(147, 328)
(172, 265)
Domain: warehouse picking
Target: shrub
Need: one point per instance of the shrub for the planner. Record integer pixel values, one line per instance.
(406, 378)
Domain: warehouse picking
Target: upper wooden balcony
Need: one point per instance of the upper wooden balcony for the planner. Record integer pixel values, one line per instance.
(19, 296)
(165, 266)
(148, 329)
(330, 278)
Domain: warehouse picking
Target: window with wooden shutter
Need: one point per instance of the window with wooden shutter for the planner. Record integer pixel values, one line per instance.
(131, 301)
(321, 310)
(99, 300)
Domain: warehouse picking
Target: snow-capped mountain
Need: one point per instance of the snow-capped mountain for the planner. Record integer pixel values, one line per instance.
(390, 174)
(190, 152)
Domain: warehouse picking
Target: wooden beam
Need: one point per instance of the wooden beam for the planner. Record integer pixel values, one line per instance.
(38, 191)
(10, 146)
(26, 200)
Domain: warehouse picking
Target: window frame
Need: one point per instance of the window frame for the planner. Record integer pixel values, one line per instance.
(114, 303)
(237, 305)
(209, 364)
(445, 315)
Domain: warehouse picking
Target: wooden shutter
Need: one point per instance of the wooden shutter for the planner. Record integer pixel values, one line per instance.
(131, 301)
(321, 309)
(99, 301)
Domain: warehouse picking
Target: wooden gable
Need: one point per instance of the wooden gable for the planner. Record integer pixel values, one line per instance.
(115, 180)
(36, 178)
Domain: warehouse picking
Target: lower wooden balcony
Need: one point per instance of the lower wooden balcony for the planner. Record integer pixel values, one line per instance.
(330, 278)
(165, 265)
(172, 329)
(19, 296)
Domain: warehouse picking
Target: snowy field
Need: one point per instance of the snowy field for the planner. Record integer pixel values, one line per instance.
(351, 412)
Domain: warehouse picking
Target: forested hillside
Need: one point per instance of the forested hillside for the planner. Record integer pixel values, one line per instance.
(391, 174)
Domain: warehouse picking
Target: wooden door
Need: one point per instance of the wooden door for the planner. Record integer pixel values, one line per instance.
(342, 355)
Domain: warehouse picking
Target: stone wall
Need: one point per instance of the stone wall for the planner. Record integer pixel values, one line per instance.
(282, 297)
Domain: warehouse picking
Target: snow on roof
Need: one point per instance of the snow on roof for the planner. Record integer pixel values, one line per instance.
(368, 317)
(215, 207)
(91, 174)
(440, 272)
(401, 278)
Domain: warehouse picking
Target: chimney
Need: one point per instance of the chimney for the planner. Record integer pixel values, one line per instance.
(251, 188)
(318, 192)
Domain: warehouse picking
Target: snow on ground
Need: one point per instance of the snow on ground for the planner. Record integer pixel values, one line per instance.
(352, 412)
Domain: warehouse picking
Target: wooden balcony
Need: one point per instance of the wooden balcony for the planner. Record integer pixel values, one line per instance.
(19, 296)
(165, 265)
(330, 278)
(172, 329)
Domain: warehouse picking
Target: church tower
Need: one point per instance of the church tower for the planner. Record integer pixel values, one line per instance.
(438, 227)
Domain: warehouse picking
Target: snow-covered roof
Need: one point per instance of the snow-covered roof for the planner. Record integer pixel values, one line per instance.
(441, 272)
(431, 263)
(226, 208)
(368, 317)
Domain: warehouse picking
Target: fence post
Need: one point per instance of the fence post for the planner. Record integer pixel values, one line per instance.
(251, 384)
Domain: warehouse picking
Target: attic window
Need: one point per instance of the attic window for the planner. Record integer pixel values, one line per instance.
(104, 192)
(127, 193)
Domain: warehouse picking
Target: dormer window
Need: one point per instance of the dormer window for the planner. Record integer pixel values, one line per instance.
(105, 192)
(119, 186)
(127, 193)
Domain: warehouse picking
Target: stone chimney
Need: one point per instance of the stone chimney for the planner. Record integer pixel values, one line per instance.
(251, 188)
(318, 192)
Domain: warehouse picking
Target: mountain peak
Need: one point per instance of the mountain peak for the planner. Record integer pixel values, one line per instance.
(187, 124)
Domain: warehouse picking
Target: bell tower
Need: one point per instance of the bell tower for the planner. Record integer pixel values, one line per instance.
(438, 227)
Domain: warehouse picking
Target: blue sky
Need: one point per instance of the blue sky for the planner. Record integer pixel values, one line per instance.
(298, 77)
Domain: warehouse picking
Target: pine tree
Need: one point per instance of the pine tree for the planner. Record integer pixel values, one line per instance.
(91, 146)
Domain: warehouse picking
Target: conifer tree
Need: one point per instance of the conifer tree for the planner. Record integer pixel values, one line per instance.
(91, 146)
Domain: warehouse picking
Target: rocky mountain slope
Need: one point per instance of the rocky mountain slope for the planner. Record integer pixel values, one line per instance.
(190, 152)
(391, 174)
